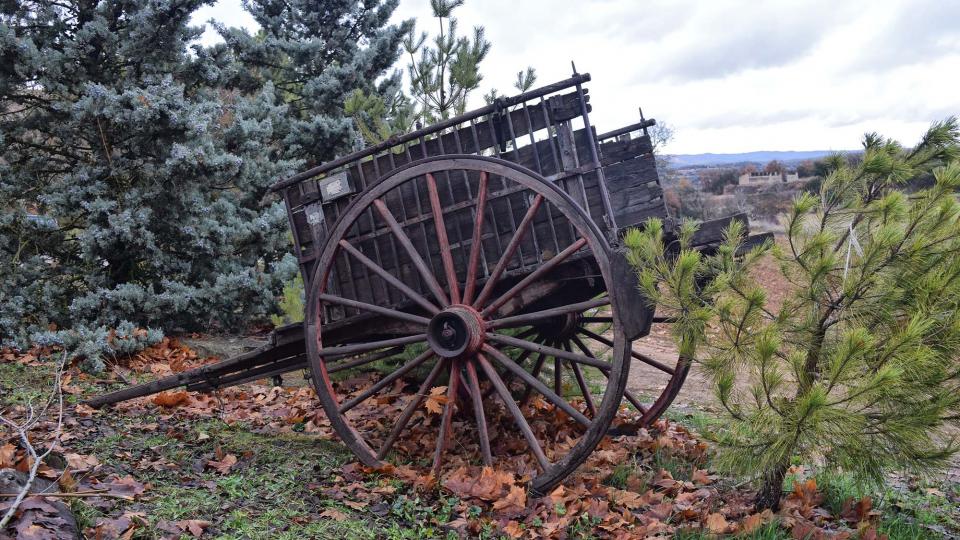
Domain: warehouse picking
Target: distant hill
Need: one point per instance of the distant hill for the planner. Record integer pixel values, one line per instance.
(680, 161)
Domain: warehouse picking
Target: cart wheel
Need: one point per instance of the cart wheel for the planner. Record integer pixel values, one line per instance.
(465, 333)
(588, 333)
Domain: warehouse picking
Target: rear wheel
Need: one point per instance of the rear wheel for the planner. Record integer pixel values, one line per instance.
(469, 322)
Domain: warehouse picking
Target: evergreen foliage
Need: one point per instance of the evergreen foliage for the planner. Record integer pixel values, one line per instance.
(134, 174)
(376, 117)
(860, 365)
(448, 68)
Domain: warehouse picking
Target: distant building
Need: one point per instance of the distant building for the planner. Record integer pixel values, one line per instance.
(755, 178)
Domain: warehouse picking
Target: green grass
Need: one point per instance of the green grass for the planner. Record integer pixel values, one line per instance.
(905, 513)
(697, 421)
(21, 384)
(277, 490)
(770, 531)
(267, 495)
(620, 474)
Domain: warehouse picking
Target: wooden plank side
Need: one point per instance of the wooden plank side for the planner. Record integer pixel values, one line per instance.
(616, 151)
(484, 135)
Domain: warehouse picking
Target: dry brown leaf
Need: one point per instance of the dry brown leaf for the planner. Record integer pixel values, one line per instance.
(171, 399)
(716, 523)
(436, 400)
(334, 514)
(81, 463)
(84, 410)
(700, 477)
(224, 465)
(67, 482)
(751, 523)
(513, 529)
(557, 495)
(193, 526)
(516, 499)
(356, 505)
(8, 454)
(627, 499)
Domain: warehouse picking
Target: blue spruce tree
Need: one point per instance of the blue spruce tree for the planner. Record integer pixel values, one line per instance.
(134, 170)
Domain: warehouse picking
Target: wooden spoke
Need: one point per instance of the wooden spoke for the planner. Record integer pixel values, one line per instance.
(557, 377)
(415, 257)
(666, 320)
(477, 399)
(532, 317)
(348, 350)
(386, 381)
(606, 373)
(535, 373)
(552, 351)
(539, 386)
(487, 309)
(534, 276)
(379, 355)
(389, 278)
(444, 435)
(410, 409)
(639, 356)
(582, 383)
(392, 313)
(515, 411)
(508, 376)
(511, 248)
(442, 240)
(475, 244)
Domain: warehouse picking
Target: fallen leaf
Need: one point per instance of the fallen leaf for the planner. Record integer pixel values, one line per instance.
(193, 526)
(171, 399)
(513, 529)
(436, 400)
(224, 465)
(716, 523)
(85, 410)
(8, 453)
(515, 500)
(81, 463)
(700, 477)
(116, 529)
(334, 514)
(127, 486)
(752, 523)
(627, 499)
(67, 482)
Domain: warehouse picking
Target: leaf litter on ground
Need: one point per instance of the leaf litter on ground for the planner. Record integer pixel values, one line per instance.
(647, 501)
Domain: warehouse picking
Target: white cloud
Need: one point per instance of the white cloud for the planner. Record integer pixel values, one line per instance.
(729, 75)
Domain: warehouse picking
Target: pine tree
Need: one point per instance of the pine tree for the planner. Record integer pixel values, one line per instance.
(315, 55)
(860, 365)
(379, 115)
(134, 175)
(448, 69)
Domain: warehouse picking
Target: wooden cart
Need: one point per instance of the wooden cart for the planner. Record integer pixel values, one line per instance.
(483, 252)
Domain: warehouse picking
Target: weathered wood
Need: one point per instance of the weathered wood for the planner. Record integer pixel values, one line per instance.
(632, 183)
(255, 359)
(500, 104)
(617, 151)
(472, 139)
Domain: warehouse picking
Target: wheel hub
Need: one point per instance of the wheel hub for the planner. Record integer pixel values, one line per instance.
(456, 331)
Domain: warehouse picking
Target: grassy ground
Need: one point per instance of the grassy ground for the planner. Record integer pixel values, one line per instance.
(292, 485)
(283, 487)
(910, 508)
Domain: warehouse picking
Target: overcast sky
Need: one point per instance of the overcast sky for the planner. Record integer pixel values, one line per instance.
(727, 75)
